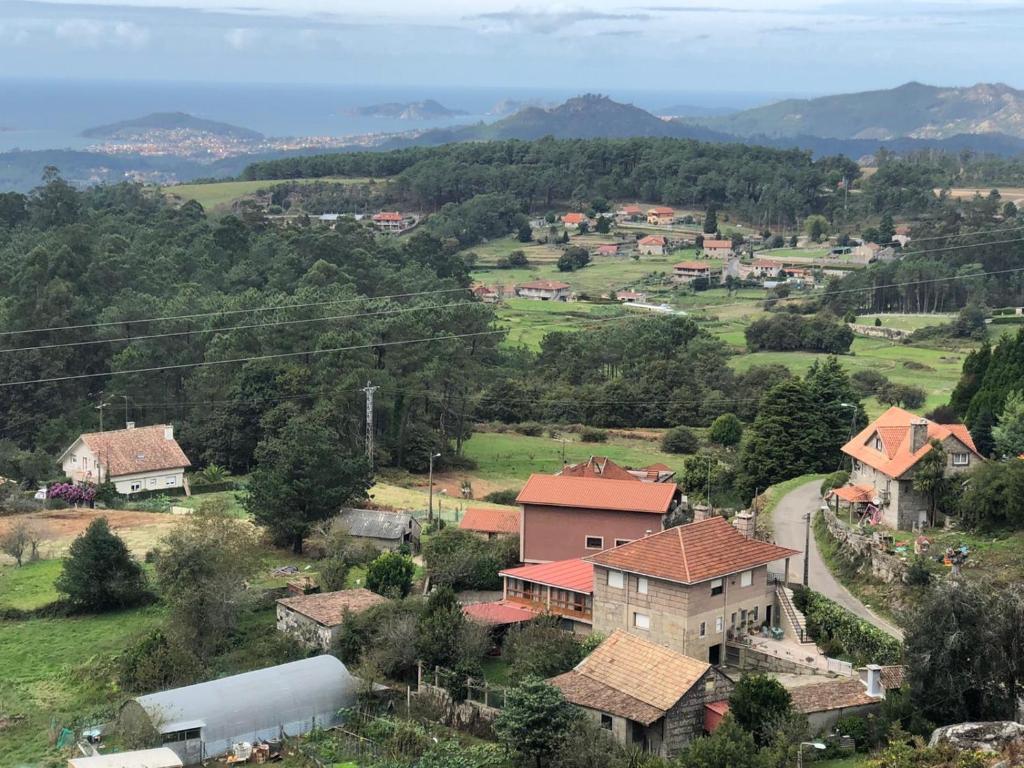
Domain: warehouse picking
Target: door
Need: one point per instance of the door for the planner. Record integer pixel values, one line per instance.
(715, 655)
(768, 615)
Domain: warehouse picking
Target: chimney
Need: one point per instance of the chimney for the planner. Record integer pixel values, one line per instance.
(701, 512)
(871, 676)
(168, 432)
(744, 522)
(918, 434)
(129, 425)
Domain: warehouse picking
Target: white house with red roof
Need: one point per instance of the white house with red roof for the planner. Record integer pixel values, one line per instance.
(574, 219)
(133, 459)
(661, 215)
(718, 249)
(884, 456)
(652, 245)
(391, 221)
(544, 290)
(688, 271)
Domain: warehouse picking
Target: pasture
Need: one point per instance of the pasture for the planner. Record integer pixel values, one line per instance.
(223, 193)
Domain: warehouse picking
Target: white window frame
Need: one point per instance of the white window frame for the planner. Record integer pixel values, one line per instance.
(134, 486)
(878, 444)
(171, 481)
(719, 624)
(966, 459)
(718, 584)
(746, 578)
(615, 579)
(641, 620)
(702, 630)
(620, 542)
(599, 539)
(151, 482)
(641, 585)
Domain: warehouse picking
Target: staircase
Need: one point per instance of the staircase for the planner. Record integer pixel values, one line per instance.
(792, 621)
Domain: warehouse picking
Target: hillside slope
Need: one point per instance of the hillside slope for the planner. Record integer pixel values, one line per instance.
(170, 121)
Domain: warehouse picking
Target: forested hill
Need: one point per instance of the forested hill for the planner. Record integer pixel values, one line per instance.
(170, 121)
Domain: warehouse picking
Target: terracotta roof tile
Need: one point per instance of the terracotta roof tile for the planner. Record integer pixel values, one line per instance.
(662, 210)
(600, 467)
(692, 553)
(830, 695)
(855, 494)
(641, 679)
(573, 218)
(717, 244)
(490, 520)
(652, 240)
(576, 575)
(328, 608)
(593, 493)
(701, 265)
(387, 216)
(893, 676)
(141, 449)
(545, 285)
(498, 613)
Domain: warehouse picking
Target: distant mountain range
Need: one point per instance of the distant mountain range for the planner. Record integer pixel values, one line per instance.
(428, 109)
(912, 110)
(170, 121)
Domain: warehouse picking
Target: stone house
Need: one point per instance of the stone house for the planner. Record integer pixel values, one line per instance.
(691, 588)
(827, 702)
(661, 215)
(645, 694)
(718, 249)
(652, 245)
(884, 455)
(688, 271)
(316, 619)
(134, 459)
(386, 530)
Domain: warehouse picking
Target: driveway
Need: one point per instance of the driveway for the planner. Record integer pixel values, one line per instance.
(788, 525)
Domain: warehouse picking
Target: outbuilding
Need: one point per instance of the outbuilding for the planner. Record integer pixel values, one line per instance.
(202, 721)
(386, 530)
(141, 758)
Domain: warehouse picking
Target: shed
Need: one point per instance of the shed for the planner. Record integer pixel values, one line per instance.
(161, 757)
(316, 619)
(203, 721)
(388, 530)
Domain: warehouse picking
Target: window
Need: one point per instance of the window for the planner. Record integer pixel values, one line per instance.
(746, 578)
(595, 542)
(717, 587)
(152, 482)
(702, 631)
(641, 585)
(74, 459)
(134, 487)
(173, 736)
(878, 443)
(97, 463)
(606, 721)
(172, 480)
(641, 620)
(620, 542)
(755, 611)
(719, 624)
(961, 459)
(615, 579)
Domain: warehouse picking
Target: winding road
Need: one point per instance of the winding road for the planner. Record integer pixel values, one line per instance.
(788, 524)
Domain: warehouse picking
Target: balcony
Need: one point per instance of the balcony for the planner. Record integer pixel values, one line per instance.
(576, 611)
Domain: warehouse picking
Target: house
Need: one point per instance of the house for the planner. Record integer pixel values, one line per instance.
(689, 588)
(391, 221)
(491, 522)
(884, 455)
(718, 249)
(565, 517)
(652, 245)
(564, 588)
(316, 619)
(631, 297)
(660, 215)
(630, 213)
(162, 757)
(826, 703)
(604, 468)
(864, 253)
(387, 530)
(202, 721)
(655, 473)
(902, 235)
(688, 271)
(574, 219)
(759, 269)
(543, 290)
(618, 248)
(486, 294)
(134, 459)
(643, 693)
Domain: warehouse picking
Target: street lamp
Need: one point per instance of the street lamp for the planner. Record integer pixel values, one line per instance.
(807, 544)
(430, 511)
(800, 751)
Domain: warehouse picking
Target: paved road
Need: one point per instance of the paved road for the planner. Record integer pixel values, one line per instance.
(788, 524)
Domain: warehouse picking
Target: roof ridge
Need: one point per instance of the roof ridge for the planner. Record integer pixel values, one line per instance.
(682, 550)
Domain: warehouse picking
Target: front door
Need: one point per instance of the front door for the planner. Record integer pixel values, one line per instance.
(768, 615)
(715, 655)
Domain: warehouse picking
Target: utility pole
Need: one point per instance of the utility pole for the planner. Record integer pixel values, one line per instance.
(709, 485)
(125, 410)
(100, 408)
(430, 481)
(369, 390)
(807, 545)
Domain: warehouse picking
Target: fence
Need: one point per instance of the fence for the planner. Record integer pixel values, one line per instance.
(839, 667)
(336, 745)
(473, 690)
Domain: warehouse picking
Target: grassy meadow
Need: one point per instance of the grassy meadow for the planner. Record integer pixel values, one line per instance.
(222, 193)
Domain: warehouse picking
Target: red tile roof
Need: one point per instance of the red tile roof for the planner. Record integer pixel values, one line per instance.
(701, 265)
(498, 613)
(717, 244)
(855, 494)
(593, 493)
(621, 295)
(573, 218)
(600, 467)
(661, 210)
(607, 248)
(631, 210)
(545, 285)
(576, 575)
(652, 240)
(831, 695)
(490, 520)
(692, 553)
(894, 430)
(140, 449)
(387, 216)
(328, 608)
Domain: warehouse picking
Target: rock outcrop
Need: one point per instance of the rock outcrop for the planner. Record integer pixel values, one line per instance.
(979, 737)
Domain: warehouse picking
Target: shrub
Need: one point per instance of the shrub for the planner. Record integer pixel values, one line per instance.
(835, 628)
(726, 430)
(529, 428)
(390, 575)
(461, 560)
(917, 574)
(591, 435)
(99, 573)
(680, 440)
(541, 648)
(332, 573)
(835, 480)
(868, 382)
(505, 496)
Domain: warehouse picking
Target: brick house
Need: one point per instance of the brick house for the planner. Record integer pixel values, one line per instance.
(490, 523)
(134, 459)
(645, 694)
(884, 455)
(316, 619)
(652, 245)
(565, 517)
(689, 588)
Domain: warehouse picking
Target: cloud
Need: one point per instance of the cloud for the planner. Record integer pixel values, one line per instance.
(241, 38)
(131, 34)
(90, 33)
(547, 22)
(84, 32)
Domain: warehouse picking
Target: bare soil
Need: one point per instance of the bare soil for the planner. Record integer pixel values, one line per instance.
(140, 530)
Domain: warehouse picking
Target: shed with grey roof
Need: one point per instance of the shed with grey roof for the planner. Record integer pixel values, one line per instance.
(387, 530)
(203, 721)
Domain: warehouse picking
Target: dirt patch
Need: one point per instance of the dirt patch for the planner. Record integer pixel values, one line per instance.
(140, 530)
(452, 483)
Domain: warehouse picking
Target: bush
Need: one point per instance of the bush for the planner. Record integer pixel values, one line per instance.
(331, 574)
(868, 382)
(529, 428)
(541, 648)
(839, 631)
(726, 430)
(835, 480)
(591, 435)
(390, 575)
(461, 560)
(680, 440)
(917, 574)
(99, 573)
(505, 496)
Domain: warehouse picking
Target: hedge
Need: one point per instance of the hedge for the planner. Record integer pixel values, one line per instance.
(835, 628)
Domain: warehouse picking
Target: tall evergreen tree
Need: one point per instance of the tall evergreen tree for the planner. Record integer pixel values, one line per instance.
(975, 365)
(1003, 374)
(838, 408)
(711, 221)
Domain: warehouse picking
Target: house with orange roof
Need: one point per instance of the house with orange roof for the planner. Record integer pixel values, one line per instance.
(315, 620)
(544, 290)
(391, 221)
(688, 271)
(661, 215)
(134, 459)
(884, 455)
(718, 249)
(630, 213)
(491, 522)
(604, 468)
(565, 517)
(574, 219)
(692, 588)
(652, 245)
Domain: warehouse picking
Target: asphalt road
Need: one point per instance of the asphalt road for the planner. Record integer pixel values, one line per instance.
(788, 525)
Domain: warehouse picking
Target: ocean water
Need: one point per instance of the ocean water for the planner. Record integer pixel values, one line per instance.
(37, 114)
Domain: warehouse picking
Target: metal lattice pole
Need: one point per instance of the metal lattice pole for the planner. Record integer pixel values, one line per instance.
(369, 390)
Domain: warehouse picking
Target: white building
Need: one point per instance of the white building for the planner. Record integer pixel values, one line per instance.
(134, 459)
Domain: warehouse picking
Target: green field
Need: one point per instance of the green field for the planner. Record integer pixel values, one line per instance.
(906, 322)
(603, 274)
(222, 193)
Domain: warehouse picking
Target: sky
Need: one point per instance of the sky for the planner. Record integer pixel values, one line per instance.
(781, 46)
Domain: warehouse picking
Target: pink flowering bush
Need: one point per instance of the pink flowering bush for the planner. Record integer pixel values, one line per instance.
(72, 493)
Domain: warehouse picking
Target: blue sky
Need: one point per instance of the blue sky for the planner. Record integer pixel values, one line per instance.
(786, 46)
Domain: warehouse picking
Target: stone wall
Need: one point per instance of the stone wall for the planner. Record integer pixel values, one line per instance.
(304, 629)
(747, 658)
(879, 331)
(859, 546)
(685, 721)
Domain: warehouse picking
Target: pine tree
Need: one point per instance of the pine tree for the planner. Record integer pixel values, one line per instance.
(1003, 374)
(1009, 434)
(838, 408)
(975, 365)
(100, 573)
(711, 222)
(981, 433)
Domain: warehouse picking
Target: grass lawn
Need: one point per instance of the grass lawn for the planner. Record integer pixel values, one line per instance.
(495, 670)
(232, 499)
(223, 192)
(906, 322)
(529, 321)
(30, 586)
(511, 458)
